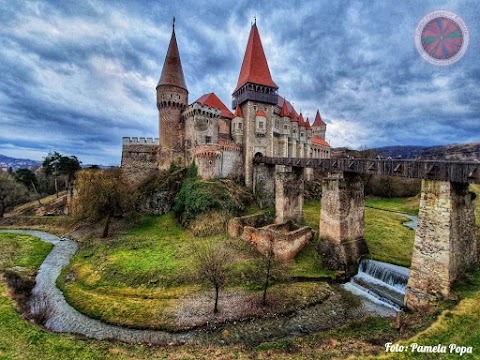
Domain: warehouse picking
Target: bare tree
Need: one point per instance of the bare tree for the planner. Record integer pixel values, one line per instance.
(11, 193)
(101, 194)
(212, 264)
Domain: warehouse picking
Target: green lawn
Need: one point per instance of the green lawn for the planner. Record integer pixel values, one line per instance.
(402, 205)
(387, 238)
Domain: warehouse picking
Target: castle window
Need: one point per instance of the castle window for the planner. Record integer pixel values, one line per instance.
(301, 134)
(208, 139)
(260, 124)
(239, 125)
(285, 127)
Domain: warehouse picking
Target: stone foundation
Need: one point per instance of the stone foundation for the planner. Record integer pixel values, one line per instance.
(289, 186)
(341, 222)
(445, 242)
(264, 185)
(285, 240)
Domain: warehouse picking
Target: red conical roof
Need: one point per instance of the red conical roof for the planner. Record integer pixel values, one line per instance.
(284, 111)
(293, 115)
(212, 100)
(301, 122)
(172, 72)
(307, 123)
(238, 112)
(318, 120)
(255, 67)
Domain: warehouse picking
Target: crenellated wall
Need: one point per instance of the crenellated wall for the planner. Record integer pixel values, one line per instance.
(139, 158)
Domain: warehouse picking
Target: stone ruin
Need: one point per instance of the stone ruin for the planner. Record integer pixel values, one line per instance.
(285, 239)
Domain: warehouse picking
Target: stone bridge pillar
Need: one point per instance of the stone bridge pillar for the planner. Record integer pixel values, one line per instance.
(445, 242)
(289, 186)
(264, 184)
(342, 222)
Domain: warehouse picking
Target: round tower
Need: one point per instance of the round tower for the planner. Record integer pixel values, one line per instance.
(172, 99)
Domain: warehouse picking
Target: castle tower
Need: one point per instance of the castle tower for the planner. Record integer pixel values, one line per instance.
(319, 127)
(172, 99)
(255, 91)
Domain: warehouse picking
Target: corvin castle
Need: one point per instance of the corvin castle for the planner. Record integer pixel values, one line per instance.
(223, 143)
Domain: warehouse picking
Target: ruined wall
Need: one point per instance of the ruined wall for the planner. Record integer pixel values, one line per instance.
(284, 240)
(445, 242)
(139, 158)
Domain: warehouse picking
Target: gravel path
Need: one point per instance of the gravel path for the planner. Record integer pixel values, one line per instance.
(61, 317)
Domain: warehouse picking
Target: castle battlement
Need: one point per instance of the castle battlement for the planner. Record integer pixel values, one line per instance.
(140, 141)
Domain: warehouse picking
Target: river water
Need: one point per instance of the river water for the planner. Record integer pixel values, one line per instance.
(47, 299)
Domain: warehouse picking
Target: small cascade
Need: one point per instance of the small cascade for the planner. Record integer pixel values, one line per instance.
(381, 283)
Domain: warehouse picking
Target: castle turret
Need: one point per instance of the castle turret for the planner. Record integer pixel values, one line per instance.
(237, 126)
(172, 99)
(319, 127)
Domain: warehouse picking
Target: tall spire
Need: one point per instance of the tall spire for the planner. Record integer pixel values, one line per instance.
(318, 120)
(255, 67)
(172, 72)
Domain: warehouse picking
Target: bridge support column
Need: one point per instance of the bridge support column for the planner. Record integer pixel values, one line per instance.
(445, 242)
(342, 222)
(264, 184)
(289, 186)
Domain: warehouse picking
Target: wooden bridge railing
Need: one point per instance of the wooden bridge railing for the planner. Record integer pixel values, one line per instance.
(453, 171)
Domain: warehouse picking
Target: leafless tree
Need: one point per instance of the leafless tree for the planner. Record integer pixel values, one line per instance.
(212, 264)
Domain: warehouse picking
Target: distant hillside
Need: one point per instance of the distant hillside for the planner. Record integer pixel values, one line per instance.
(406, 152)
(460, 152)
(7, 162)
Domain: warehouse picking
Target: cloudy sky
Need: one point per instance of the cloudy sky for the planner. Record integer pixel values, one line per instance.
(77, 76)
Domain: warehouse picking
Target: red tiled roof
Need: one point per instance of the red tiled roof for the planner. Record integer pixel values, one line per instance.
(212, 100)
(293, 115)
(307, 123)
(301, 122)
(318, 120)
(281, 100)
(284, 111)
(172, 72)
(238, 112)
(255, 67)
(261, 113)
(320, 142)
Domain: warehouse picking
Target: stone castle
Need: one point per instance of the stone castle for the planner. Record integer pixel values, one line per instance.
(222, 143)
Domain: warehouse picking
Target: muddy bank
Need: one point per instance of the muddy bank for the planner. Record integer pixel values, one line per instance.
(48, 301)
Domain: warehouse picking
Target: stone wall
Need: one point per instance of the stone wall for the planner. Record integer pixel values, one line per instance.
(445, 242)
(264, 185)
(139, 160)
(219, 161)
(289, 186)
(342, 222)
(284, 240)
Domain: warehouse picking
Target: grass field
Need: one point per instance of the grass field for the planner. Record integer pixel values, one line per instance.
(100, 265)
(402, 205)
(387, 238)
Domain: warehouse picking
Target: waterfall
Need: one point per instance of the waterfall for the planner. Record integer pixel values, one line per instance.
(381, 283)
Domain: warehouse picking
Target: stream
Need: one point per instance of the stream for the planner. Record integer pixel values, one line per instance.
(47, 299)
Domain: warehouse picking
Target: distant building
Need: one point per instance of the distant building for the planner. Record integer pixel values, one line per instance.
(221, 142)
